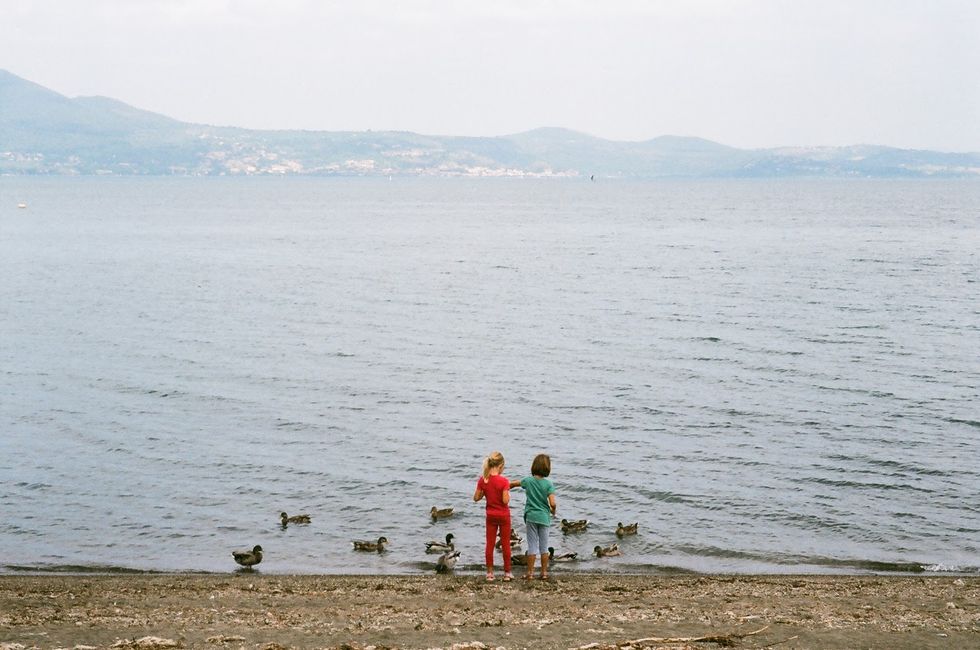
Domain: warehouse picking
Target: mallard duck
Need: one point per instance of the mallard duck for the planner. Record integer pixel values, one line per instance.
(515, 540)
(295, 519)
(379, 546)
(248, 559)
(607, 551)
(441, 547)
(520, 559)
(623, 531)
(575, 526)
(447, 561)
(440, 513)
(561, 557)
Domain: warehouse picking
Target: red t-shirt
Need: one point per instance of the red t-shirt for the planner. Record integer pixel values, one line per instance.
(493, 491)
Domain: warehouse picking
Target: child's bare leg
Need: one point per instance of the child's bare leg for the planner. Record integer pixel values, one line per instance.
(530, 565)
(545, 558)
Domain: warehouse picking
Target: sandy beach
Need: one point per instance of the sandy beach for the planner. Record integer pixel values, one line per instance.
(245, 610)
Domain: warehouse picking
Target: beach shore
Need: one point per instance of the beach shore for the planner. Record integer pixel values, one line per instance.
(243, 610)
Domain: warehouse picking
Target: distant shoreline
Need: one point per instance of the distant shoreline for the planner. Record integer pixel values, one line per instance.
(256, 610)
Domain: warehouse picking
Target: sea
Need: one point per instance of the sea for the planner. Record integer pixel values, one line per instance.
(768, 376)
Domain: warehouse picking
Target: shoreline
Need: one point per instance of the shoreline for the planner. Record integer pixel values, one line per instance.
(255, 610)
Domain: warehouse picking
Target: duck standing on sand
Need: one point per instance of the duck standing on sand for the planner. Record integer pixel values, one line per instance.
(295, 519)
(440, 547)
(623, 531)
(379, 546)
(440, 513)
(248, 559)
(607, 551)
(447, 561)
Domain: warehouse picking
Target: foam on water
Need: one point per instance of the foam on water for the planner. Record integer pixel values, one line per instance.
(767, 376)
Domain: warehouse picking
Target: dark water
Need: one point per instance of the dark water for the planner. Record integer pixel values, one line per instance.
(767, 376)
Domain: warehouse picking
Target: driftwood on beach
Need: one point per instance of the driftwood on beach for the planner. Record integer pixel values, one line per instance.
(729, 639)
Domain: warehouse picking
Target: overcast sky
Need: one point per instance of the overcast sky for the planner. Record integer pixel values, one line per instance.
(751, 73)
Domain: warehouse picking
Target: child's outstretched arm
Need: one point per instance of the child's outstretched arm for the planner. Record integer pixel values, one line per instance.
(552, 503)
(515, 484)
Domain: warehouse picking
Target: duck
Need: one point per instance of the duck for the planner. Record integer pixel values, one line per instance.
(607, 551)
(295, 519)
(629, 529)
(515, 540)
(575, 526)
(520, 559)
(248, 559)
(441, 547)
(379, 546)
(561, 557)
(440, 513)
(447, 561)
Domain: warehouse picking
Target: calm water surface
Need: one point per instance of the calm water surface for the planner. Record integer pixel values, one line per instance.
(767, 376)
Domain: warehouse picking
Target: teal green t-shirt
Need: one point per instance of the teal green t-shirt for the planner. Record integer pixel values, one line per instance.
(536, 508)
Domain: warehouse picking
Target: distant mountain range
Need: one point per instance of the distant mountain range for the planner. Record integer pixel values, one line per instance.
(43, 132)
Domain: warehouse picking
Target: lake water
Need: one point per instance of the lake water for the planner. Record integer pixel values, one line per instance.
(769, 376)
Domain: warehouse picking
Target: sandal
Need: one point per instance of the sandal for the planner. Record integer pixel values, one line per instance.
(489, 577)
(508, 577)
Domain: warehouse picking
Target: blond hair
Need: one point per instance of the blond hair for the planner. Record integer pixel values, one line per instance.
(496, 459)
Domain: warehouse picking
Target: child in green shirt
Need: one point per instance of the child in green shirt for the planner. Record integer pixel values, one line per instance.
(539, 508)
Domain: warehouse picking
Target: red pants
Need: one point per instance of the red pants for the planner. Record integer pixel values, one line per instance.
(501, 524)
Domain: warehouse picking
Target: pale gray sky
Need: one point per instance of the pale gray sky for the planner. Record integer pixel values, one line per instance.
(750, 73)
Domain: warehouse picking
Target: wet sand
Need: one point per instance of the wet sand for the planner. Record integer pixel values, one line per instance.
(245, 610)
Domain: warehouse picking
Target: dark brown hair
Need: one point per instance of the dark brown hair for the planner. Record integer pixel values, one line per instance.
(541, 465)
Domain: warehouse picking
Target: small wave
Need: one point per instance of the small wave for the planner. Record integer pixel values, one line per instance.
(950, 568)
(165, 393)
(904, 467)
(972, 423)
(286, 424)
(714, 551)
(637, 568)
(876, 566)
(861, 485)
(33, 486)
(76, 568)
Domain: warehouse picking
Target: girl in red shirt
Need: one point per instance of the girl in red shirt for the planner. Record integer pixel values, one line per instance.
(496, 489)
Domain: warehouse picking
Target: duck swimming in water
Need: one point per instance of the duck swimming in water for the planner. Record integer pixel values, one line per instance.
(379, 546)
(440, 513)
(629, 529)
(295, 519)
(515, 540)
(607, 551)
(574, 526)
(561, 557)
(441, 547)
